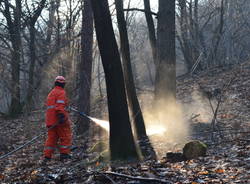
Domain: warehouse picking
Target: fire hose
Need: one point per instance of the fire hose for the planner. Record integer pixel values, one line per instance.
(41, 134)
(79, 112)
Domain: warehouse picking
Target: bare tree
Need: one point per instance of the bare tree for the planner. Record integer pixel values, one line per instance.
(122, 144)
(12, 15)
(32, 19)
(85, 65)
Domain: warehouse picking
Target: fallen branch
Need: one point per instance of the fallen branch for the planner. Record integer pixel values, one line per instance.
(196, 63)
(136, 177)
(195, 116)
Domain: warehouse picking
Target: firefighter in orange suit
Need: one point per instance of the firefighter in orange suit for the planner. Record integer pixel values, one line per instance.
(59, 135)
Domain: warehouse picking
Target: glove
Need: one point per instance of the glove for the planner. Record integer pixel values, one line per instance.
(61, 118)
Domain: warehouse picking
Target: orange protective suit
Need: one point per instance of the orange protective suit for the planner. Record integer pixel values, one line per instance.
(60, 136)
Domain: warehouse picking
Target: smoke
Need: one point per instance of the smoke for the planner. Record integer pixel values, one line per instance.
(169, 116)
(168, 123)
(165, 124)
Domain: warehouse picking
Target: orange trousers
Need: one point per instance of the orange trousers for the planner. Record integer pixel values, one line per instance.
(58, 137)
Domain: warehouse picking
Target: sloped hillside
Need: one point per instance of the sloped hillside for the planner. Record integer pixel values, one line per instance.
(227, 160)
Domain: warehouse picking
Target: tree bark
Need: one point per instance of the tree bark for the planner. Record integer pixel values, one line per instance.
(136, 114)
(13, 25)
(122, 145)
(229, 8)
(85, 66)
(218, 33)
(165, 87)
(151, 29)
(186, 47)
(32, 49)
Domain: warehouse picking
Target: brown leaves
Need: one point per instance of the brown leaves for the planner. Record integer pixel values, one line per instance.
(219, 171)
(1, 176)
(226, 116)
(203, 173)
(225, 163)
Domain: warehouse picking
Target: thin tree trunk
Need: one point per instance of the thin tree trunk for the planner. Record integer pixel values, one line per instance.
(85, 66)
(32, 64)
(186, 50)
(151, 29)
(99, 77)
(133, 102)
(122, 145)
(228, 33)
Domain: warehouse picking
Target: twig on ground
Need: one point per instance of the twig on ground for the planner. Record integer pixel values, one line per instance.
(136, 177)
(195, 116)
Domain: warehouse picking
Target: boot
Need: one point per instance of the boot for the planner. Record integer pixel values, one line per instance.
(64, 156)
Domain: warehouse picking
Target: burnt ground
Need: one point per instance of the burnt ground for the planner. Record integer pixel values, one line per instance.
(227, 160)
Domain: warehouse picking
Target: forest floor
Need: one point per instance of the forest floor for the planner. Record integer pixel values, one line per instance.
(228, 155)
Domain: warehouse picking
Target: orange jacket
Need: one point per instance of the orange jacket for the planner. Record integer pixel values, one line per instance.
(56, 103)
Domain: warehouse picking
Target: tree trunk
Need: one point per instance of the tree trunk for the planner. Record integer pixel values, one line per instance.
(122, 145)
(32, 64)
(165, 87)
(151, 28)
(14, 25)
(32, 50)
(186, 49)
(15, 106)
(228, 33)
(136, 114)
(85, 66)
(217, 38)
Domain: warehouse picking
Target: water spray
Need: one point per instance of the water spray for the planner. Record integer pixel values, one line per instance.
(151, 130)
(102, 123)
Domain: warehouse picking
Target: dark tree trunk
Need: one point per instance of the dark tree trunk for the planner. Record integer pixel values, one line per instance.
(32, 64)
(32, 49)
(136, 114)
(217, 37)
(13, 25)
(184, 27)
(151, 29)
(15, 106)
(85, 66)
(122, 145)
(165, 87)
